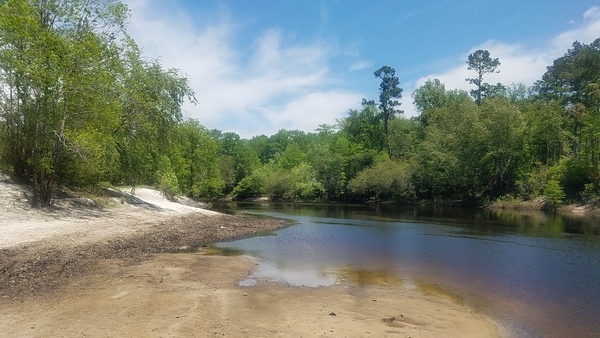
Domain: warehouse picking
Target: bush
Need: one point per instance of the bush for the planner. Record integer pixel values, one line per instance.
(277, 184)
(303, 183)
(554, 193)
(299, 183)
(388, 180)
(208, 187)
(252, 185)
(533, 185)
(166, 179)
(577, 174)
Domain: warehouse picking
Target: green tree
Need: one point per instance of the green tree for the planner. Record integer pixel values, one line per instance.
(166, 179)
(56, 65)
(236, 158)
(449, 158)
(405, 136)
(363, 127)
(207, 182)
(329, 161)
(385, 181)
(546, 137)
(253, 185)
(572, 79)
(150, 113)
(198, 166)
(304, 185)
(429, 96)
(481, 62)
(505, 128)
(291, 157)
(389, 94)
(554, 193)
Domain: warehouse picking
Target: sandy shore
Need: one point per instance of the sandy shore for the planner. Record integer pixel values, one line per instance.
(82, 271)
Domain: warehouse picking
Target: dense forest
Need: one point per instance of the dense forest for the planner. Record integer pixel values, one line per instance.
(80, 106)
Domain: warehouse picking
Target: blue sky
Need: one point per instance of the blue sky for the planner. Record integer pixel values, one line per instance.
(258, 66)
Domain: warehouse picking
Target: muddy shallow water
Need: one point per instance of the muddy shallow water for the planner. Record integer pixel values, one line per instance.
(536, 274)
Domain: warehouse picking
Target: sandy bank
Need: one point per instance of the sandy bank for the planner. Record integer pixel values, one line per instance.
(108, 273)
(191, 295)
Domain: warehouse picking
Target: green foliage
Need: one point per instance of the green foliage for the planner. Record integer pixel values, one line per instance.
(250, 186)
(405, 135)
(385, 181)
(591, 193)
(504, 126)
(576, 175)
(208, 187)
(299, 183)
(303, 183)
(389, 96)
(364, 127)
(554, 193)
(196, 162)
(79, 107)
(206, 181)
(236, 158)
(57, 71)
(571, 78)
(277, 185)
(449, 158)
(291, 157)
(532, 185)
(430, 96)
(546, 137)
(166, 179)
(330, 162)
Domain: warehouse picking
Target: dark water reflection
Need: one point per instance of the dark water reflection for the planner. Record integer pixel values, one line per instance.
(537, 274)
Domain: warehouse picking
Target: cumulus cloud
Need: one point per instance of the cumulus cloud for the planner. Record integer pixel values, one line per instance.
(308, 111)
(274, 84)
(259, 84)
(586, 32)
(519, 64)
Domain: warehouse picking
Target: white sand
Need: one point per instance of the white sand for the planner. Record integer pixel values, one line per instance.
(77, 220)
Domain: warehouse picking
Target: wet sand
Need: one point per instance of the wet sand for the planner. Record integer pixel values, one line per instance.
(194, 295)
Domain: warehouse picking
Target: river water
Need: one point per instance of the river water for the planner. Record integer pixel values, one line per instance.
(534, 274)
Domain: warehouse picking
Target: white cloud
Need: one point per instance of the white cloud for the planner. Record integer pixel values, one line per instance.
(271, 81)
(360, 65)
(259, 91)
(588, 31)
(592, 14)
(518, 63)
(312, 109)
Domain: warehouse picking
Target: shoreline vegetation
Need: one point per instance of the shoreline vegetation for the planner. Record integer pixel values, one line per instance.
(82, 270)
(480, 145)
(537, 204)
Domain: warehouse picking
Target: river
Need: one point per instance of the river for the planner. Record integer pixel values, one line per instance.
(535, 274)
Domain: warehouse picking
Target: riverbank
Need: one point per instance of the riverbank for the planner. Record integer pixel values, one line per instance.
(79, 270)
(539, 204)
(193, 295)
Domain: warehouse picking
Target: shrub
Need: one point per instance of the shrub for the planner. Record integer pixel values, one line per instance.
(388, 180)
(554, 193)
(252, 185)
(166, 179)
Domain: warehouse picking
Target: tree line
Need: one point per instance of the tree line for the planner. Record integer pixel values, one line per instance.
(81, 106)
